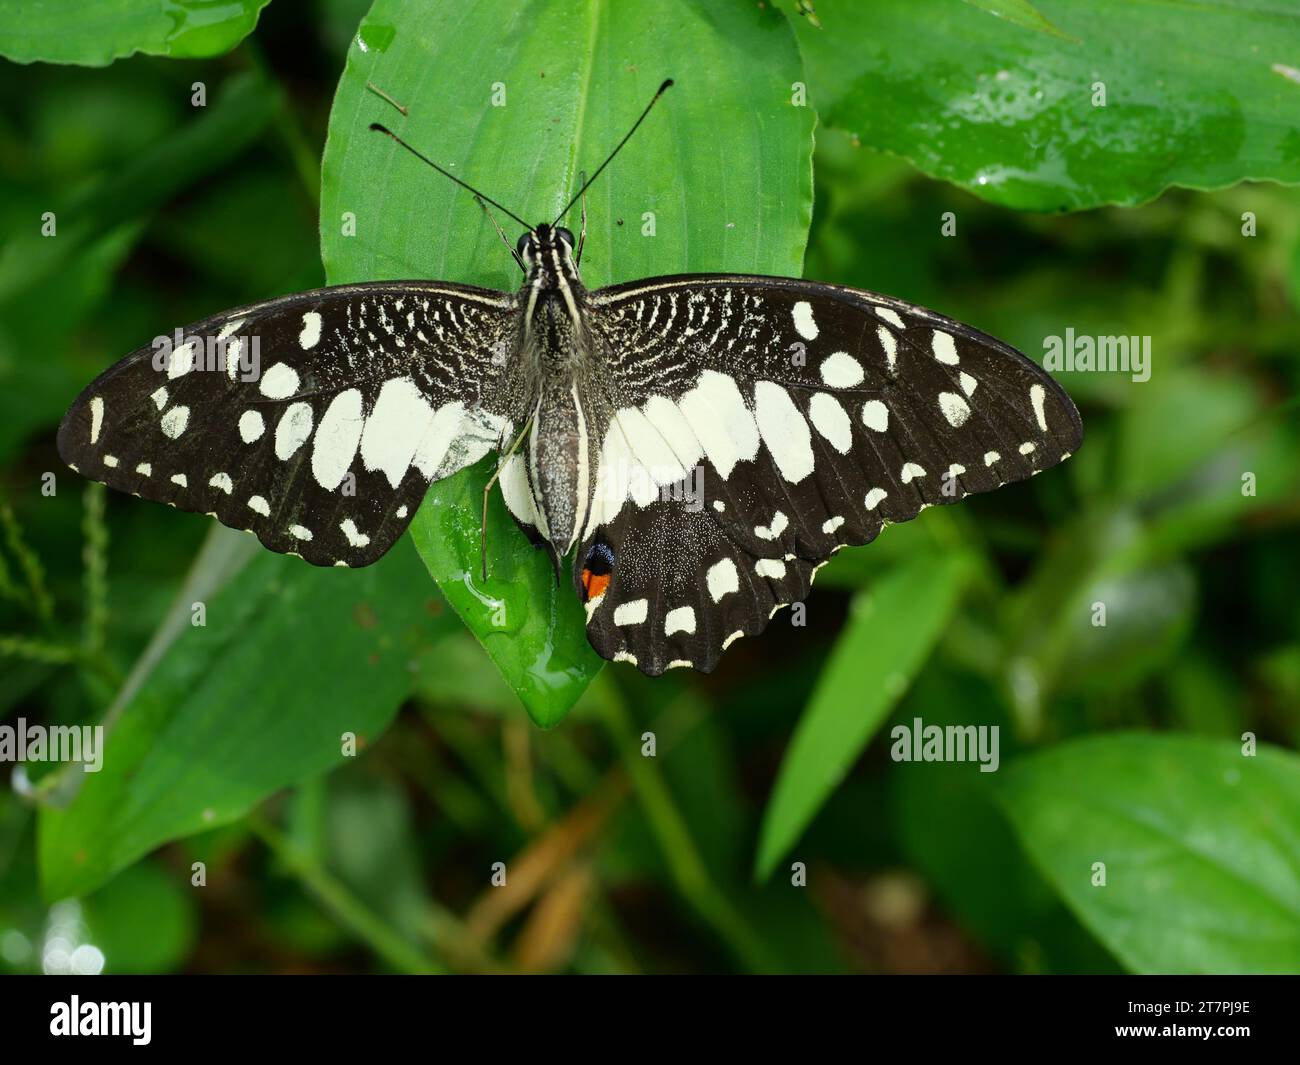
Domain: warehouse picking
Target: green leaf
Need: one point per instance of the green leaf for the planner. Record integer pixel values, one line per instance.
(1201, 853)
(571, 79)
(240, 111)
(95, 32)
(1020, 12)
(145, 896)
(891, 629)
(215, 718)
(976, 865)
(1198, 95)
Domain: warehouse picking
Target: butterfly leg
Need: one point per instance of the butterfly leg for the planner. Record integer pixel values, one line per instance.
(582, 233)
(487, 488)
(501, 233)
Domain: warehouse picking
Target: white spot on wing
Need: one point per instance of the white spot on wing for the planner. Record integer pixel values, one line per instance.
(874, 498)
(991, 457)
(722, 422)
(968, 383)
(1036, 396)
(260, 505)
(279, 382)
(786, 434)
(910, 472)
(666, 417)
(180, 479)
(175, 421)
(395, 428)
(770, 532)
(251, 426)
(633, 612)
(515, 491)
(804, 324)
(337, 439)
(954, 408)
(830, 419)
(181, 360)
(841, 370)
(447, 423)
(222, 481)
(890, 316)
(355, 537)
(299, 532)
(722, 579)
(770, 567)
(145, 469)
(310, 335)
(831, 524)
(233, 350)
(944, 347)
(875, 415)
(293, 430)
(159, 397)
(650, 449)
(890, 344)
(96, 418)
(680, 619)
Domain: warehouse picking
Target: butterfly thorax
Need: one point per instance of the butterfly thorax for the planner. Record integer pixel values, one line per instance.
(556, 345)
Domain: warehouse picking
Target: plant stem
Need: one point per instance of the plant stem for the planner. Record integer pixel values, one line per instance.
(95, 556)
(674, 838)
(340, 901)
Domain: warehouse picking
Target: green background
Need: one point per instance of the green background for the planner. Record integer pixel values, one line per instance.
(323, 775)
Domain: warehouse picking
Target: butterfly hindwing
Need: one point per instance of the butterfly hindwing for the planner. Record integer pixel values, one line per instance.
(809, 416)
(316, 421)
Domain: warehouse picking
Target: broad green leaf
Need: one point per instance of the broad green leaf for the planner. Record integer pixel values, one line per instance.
(891, 629)
(518, 98)
(974, 863)
(145, 896)
(1199, 844)
(1135, 96)
(217, 717)
(96, 32)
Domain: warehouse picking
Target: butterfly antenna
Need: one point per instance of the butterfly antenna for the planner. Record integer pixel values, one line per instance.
(610, 158)
(445, 173)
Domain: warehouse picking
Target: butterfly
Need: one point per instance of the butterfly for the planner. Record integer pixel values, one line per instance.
(699, 445)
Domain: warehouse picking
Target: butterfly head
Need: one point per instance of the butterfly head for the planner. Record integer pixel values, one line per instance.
(547, 254)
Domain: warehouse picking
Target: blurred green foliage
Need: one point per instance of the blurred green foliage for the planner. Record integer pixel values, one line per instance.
(215, 840)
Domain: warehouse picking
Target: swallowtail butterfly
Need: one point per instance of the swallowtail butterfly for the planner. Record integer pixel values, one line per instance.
(699, 444)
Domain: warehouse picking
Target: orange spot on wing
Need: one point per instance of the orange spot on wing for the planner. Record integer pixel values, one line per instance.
(594, 584)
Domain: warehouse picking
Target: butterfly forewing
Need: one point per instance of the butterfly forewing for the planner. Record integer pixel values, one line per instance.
(316, 421)
(804, 417)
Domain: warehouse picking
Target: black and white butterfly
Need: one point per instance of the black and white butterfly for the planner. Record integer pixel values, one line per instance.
(699, 444)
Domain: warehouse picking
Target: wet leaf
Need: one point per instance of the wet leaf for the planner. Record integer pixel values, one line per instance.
(1128, 100)
(95, 32)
